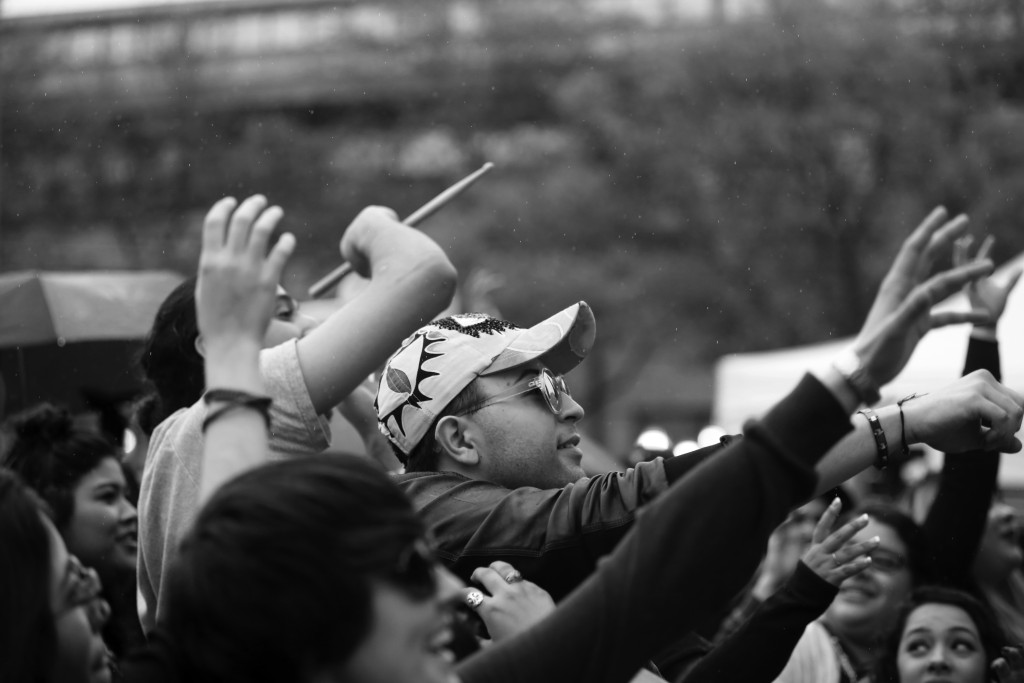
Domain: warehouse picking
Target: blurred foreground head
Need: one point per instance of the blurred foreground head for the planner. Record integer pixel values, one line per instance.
(310, 569)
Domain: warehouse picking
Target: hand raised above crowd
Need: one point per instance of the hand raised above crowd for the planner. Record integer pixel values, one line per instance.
(236, 291)
(901, 314)
(985, 294)
(833, 555)
(237, 285)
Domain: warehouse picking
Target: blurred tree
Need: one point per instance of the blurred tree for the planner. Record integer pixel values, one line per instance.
(709, 189)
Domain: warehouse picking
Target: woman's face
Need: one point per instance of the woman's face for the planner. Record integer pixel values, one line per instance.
(940, 644)
(79, 615)
(868, 604)
(999, 552)
(103, 529)
(408, 641)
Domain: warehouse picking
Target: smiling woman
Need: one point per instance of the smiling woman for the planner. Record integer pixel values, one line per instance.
(79, 475)
(50, 616)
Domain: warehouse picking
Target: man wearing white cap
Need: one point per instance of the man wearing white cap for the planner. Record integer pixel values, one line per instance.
(478, 411)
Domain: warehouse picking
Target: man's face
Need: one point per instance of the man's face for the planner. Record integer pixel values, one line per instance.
(523, 443)
(287, 323)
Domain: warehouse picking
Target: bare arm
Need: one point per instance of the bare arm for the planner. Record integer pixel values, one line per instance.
(905, 298)
(235, 295)
(938, 427)
(411, 281)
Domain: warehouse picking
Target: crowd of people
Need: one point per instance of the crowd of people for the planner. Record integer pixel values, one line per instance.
(477, 549)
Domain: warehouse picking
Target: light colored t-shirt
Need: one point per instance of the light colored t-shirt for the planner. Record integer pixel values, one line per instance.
(168, 499)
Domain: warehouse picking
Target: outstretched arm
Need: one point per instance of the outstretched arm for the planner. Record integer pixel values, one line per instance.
(957, 517)
(906, 296)
(668, 574)
(760, 648)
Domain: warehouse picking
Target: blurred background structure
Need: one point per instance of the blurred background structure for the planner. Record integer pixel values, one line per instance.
(712, 176)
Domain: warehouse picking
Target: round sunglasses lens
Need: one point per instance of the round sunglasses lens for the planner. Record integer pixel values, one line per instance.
(551, 394)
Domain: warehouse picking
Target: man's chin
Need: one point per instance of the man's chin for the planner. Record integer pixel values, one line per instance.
(573, 472)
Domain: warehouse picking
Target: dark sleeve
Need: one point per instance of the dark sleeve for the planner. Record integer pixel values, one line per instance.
(690, 551)
(678, 467)
(760, 648)
(957, 517)
(554, 537)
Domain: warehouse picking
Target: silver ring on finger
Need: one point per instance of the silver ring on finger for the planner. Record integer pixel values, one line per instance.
(474, 598)
(836, 560)
(513, 576)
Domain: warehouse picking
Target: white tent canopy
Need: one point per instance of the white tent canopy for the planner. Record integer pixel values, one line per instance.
(748, 384)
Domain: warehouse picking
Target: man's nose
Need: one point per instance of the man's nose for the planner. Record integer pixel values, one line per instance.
(571, 410)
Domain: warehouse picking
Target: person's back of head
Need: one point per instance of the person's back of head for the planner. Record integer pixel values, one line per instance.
(27, 633)
(51, 454)
(169, 360)
(274, 582)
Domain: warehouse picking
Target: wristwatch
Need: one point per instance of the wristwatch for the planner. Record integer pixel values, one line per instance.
(849, 365)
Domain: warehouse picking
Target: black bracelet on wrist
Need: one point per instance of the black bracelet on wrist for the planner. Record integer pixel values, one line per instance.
(234, 399)
(881, 444)
(903, 424)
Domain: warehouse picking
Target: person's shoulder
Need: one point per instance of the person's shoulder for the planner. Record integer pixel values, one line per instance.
(450, 488)
(412, 479)
(175, 445)
(184, 423)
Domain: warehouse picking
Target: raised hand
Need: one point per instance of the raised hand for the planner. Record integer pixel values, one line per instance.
(237, 285)
(985, 293)
(235, 295)
(833, 555)
(901, 313)
(787, 544)
(974, 412)
(511, 603)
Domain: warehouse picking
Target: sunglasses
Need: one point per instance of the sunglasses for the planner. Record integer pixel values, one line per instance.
(551, 386)
(416, 570)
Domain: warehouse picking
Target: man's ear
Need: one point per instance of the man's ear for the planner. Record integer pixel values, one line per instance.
(200, 347)
(457, 439)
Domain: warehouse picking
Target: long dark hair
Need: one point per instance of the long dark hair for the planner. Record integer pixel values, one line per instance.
(169, 361)
(51, 454)
(274, 582)
(992, 639)
(27, 633)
